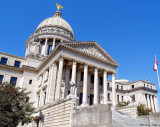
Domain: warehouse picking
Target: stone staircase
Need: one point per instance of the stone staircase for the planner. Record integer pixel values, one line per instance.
(122, 120)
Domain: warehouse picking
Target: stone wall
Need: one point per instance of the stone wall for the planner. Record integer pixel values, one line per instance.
(130, 110)
(55, 115)
(92, 116)
(151, 120)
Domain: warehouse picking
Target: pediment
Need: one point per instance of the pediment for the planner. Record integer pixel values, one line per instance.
(94, 50)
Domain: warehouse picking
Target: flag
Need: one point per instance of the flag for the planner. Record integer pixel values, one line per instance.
(155, 64)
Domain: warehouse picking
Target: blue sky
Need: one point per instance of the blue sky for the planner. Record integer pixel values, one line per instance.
(129, 30)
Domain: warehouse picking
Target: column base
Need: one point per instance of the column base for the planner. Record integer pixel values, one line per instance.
(84, 105)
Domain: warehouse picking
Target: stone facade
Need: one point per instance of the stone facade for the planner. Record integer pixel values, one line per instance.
(58, 69)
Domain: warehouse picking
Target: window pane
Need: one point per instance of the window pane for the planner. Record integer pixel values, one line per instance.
(3, 61)
(1, 79)
(30, 81)
(92, 78)
(13, 80)
(82, 73)
(49, 49)
(17, 64)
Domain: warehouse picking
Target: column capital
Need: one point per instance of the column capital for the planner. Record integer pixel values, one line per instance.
(74, 62)
(86, 66)
(53, 65)
(104, 71)
(95, 68)
(61, 58)
(113, 74)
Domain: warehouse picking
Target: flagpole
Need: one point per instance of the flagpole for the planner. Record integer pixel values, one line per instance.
(158, 77)
(157, 71)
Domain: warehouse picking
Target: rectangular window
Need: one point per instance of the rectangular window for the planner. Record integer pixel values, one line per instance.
(30, 81)
(3, 61)
(122, 98)
(17, 64)
(1, 79)
(117, 86)
(100, 80)
(13, 80)
(132, 86)
(80, 98)
(44, 97)
(109, 97)
(92, 78)
(133, 98)
(82, 73)
(91, 99)
(49, 49)
(121, 87)
(108, 85)
(118, 98)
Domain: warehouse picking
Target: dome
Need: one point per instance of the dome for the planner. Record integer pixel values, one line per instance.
(57, 21)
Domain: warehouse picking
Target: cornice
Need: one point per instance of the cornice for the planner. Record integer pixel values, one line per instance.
(24, 67)
(8, 67)
(135, 89)
(142, 81)
(11, 55)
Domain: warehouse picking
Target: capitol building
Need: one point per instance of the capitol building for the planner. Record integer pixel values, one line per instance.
(67, 77)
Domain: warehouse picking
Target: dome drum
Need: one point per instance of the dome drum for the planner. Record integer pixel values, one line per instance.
(55, 30)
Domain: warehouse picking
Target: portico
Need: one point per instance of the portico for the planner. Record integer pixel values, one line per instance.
(79, 73)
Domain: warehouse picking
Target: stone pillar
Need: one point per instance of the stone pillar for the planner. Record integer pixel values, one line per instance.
(105, 87)
(59, 79)
(85, 78)
(148, 101)
(46, 47)
(96, 88)
(78, 85)
(67, 74)
(41, 99)
(152, 104)
(88, 91)
(145, 99)
(73, 78)
(113, 91)
(156, 103)
(52, 83)
(54, 43)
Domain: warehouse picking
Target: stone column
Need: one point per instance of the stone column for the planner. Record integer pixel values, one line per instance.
(96, 88)
(113, 91)
(52, 83)
(148, 101)
(152, 104)
(88, 91)
(41, 99)
(54, 43)
(59, 79)
(156, 103)
(105, 87)
(67, 74)
(145, 100)
(46, 47)
(73, 78)
(78, 85)
(85, 78)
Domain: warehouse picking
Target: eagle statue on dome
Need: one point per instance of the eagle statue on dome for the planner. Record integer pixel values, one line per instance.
(59, 6)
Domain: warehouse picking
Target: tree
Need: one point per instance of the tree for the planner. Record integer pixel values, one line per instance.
(14, 106)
